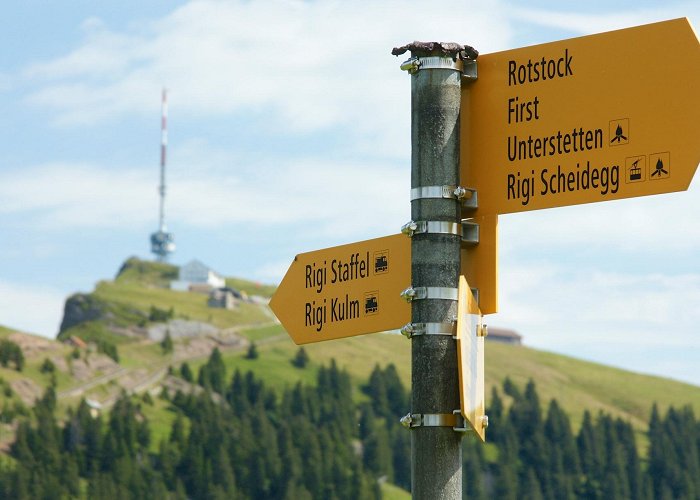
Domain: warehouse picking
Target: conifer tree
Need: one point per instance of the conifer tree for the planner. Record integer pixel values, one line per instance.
(400, 442)
(301, 358)
(377, 391)
(496, 415)
(563, 468)
(590, 459)
(526, 418)
(167, 343)
(530, 485)
(377, 454)
(511, 389)
(223, 473)
(473, 485)
(186, 372)
(505, 470)
(615, 480)
(290, 457)
(396, 393)
(252, 352)
(212, 375)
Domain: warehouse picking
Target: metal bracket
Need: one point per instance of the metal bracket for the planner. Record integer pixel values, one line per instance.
(454, 420)
(482, 331)
(470, 202)
(410, 330)
(415, 64)
(463, 427)
(429, 292)
(469, 70)
(466, 195)
(470, 232)
(432, 227)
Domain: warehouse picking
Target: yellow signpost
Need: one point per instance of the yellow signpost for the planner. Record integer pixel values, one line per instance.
(589, 119)
(583, 120)
(346, 290)
(470, 354)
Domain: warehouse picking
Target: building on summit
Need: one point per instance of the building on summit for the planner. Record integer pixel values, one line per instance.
(195, 276)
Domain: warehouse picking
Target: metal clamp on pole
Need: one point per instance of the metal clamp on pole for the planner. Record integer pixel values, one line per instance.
(410, 330)
(415, 64)
(411, 65)
(432, 227)
(470, 232)
(413, 420)
(429, 292)
(466, 195)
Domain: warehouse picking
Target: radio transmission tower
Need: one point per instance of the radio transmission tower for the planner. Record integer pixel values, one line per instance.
(163, 242)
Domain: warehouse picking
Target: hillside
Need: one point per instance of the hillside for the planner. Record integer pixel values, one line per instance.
(577, 385)
(133, 335)
(133, 310)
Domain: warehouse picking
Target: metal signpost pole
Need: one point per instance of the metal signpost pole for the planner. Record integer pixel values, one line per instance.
(436, 74)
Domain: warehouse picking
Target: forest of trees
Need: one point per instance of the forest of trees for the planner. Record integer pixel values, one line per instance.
(235, 438)
(538, 456)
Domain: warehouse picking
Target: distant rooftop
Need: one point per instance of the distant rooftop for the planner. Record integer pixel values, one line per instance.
(504, 335)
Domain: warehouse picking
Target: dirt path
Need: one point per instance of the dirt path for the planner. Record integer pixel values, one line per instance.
(80, 389)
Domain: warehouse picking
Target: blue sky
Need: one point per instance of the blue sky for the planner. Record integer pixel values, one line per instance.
(289, 130)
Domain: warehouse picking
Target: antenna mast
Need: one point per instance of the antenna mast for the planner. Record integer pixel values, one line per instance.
(162, 242)
(163, 149)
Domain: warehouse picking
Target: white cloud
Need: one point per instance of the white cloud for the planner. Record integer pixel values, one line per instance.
(651, 224)
(306, 65)
(556, 305)
(33, 309)
(63, 196)
(327, 197)
(273, 272)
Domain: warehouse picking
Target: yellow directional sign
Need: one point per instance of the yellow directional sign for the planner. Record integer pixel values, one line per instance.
(470, 353)
(346, 290)
(595, 118)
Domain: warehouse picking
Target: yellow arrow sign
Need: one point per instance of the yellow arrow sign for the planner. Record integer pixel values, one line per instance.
(346, 290)
(470, 354)
(589, 119)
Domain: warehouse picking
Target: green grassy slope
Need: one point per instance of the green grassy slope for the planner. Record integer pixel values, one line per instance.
(187, 305)
(580, 385)
(140, 285)
(4, 331)
(123, 306)
(576, 384)
(251, 288)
